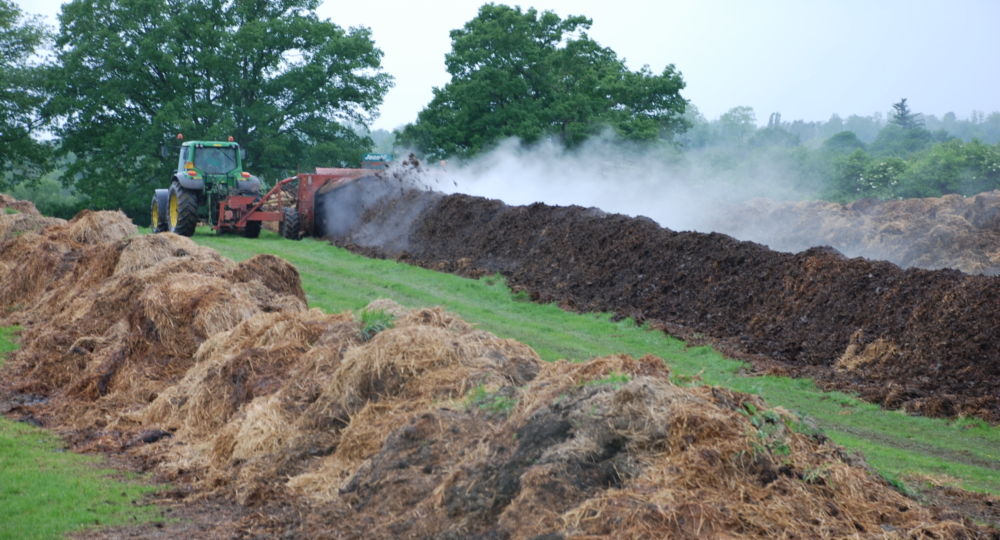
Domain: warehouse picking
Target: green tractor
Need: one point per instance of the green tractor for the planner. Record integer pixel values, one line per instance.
(209, 185)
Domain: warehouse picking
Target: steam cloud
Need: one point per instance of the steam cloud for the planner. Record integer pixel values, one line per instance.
(674, 193)
(681, 193)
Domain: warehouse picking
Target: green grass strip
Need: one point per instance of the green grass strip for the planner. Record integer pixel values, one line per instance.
(46, 492)
(896, 444)
(8, 343)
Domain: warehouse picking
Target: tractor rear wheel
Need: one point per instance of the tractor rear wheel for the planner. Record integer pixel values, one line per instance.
(182, 210)
(289, 226)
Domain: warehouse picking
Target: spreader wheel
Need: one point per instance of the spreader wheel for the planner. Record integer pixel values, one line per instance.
(289, 226)
(252, 229)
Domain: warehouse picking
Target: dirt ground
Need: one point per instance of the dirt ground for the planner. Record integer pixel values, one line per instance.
(920, 340)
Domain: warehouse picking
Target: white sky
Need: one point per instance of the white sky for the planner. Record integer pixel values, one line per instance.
(804, 59)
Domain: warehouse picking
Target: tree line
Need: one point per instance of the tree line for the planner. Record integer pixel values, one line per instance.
(84, 109)
(898, 155)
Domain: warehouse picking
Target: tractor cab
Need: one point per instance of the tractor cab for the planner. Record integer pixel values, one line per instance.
(213, 166)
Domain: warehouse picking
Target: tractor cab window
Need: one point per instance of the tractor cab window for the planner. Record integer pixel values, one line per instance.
(215, 160)
(184, 157)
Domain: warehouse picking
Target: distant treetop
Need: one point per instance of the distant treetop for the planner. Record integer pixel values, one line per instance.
(905, 118)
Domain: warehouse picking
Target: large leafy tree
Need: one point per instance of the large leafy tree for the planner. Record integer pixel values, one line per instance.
(290, 87)
(21, 95)
(534, 75)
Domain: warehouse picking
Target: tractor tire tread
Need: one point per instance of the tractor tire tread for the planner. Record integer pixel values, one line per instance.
(289, 226)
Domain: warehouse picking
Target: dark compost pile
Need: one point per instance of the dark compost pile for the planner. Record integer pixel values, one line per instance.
(916, 339)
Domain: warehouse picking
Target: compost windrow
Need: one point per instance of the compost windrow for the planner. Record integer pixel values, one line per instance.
(914, 339)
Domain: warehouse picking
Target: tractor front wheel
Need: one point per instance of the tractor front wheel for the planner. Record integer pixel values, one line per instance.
(289, 226)
(182, 210)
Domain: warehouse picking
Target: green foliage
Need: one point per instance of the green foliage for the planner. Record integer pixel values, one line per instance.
(495, 403)
(773, 136)
(768, 433)
(842, 160)
(22, 94)
(10, 211)
(534, 75)
(981, 167)
(843, 143)
(384, 141)
(983, 127)
(50, 197)
(286, 85)
(941, 169)
(896, 141)
(373, 322)
(860, 176)
(953, 167)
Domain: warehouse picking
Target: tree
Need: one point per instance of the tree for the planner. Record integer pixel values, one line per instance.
(905, 118)
(286, 85)
(894, 140)
(523, 74)
(699, 133)
(738, 122)
(843, 143)
(774, 134)
(21, 95)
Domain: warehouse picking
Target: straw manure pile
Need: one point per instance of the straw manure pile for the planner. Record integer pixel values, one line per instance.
(434, 428)
(23, 207)
(20, 217)
(33, 263)
(110, 318)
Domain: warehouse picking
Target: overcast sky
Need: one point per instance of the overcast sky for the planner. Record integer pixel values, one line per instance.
(806, 60)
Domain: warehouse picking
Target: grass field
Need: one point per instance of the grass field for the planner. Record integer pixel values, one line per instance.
(46, 492)
(903, 448)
